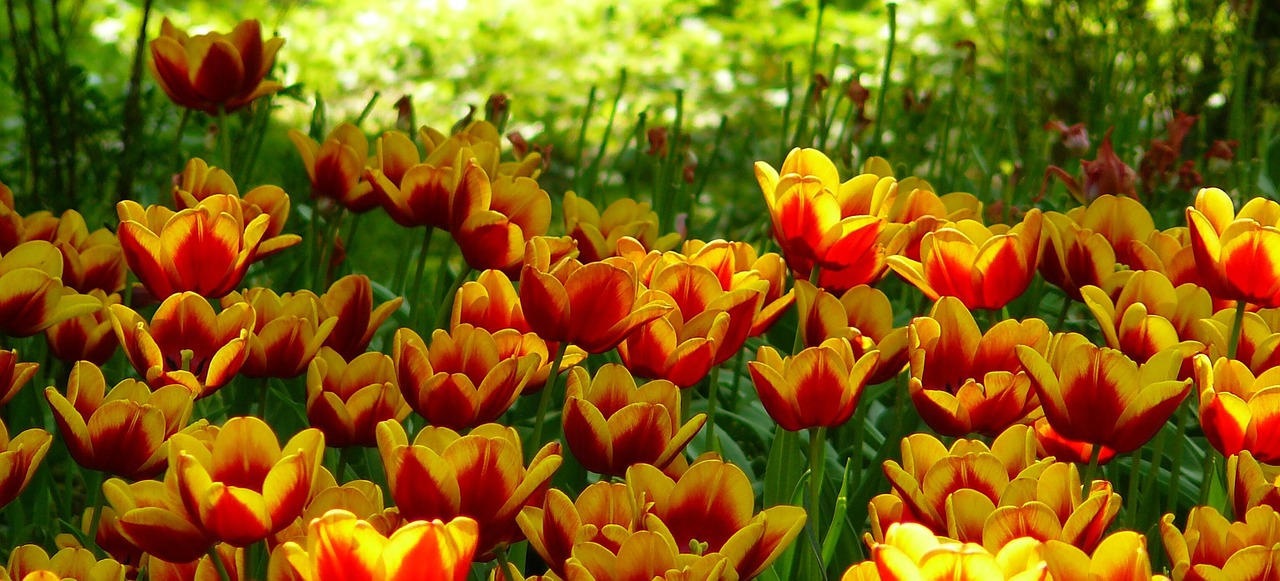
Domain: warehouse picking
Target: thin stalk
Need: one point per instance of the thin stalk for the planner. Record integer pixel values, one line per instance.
(443, 315)
(217, 563)
(224, 140)
(504, 566)
(99, 500)
(415, 307)
(1091, 469)
(837, 517)
(786, 110)
(262, 399)
(1062, 314)
(1132, 497)
(713, 391)
(594, 170)
(817, 464)
(133, 111)
(578, 182)
(877, 137)
(544, 401)
(343, 458)
(1175, 473)
(368, 108)
(1237, 328)
(704, 173)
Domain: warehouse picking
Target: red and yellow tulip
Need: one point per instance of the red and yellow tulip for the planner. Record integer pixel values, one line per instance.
(863, 315)
(19, 458)
(911, 551)
(1149, 315)
(500, 215)
(1122, 556)
(350, 298)
(1236, 253)
(647, 555)
(1075, 257)
(336, 167)
(32, 296)
(287, 331)
(598, 233)
(347, 400)
(90, 260)
(32, 563)
(1211, 547)
(214, 72)
(1239, 411)
(602, 514)
(340, 546)
(818, 387)
(200, 181)
(13, 374)
(610, 423)
(1251, 483)
(88, 337)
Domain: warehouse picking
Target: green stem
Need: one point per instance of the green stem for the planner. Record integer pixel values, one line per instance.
(1092, 468)
(817, 464)
(798, 344)
(217, 563)
(1062, 314)
(504, 565)
(1132, 497)
(443, 316)
(343, 457)
(262, 398)
(579, 180)
(544, 400)
(1237, 329)
(416, 306)
(224, 140)
(877, 136)
(713, 391)
(99, 500)
(1175, 472)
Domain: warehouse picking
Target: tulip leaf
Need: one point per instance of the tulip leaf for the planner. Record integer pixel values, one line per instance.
(1269, 179)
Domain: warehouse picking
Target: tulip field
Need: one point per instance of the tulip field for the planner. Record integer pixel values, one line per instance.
(1004, 305)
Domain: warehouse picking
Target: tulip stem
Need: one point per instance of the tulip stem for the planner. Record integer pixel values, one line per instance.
(446, 304)
(1237, 329)
(713, 391)
(504, 565)
(1092, 468)
(224, 141)
(877, 137)
(416, 306)
(817, 462)
(1135, 466)
(1185, 416)
(342, 463)
(97, 503)
(217, 563)
(544, 400)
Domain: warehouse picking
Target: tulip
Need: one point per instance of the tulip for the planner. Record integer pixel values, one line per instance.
(711, 505)
(109, 539)
(1251, 484)
(89, 337)
(1238, 410)
(481, 475)
(205, 249)
(501, 214)
(460, 382)
(738, 265)
(350, 298)
(216, 73)
(123, 432)
(287, 333)
(646, 555)
(863, 315)
(186, 343)
(1048, 507)
(1258, 345)
(346, 401)
(910, 205)
(910, 551)
(1235, 252)
(362, 498)
(598, 233)
(19, 459)
(340, 546)
(602, 514)
(819, 387)
(202, 568)
(32, 563)
(245, 486)
(610, 423)
(13, 374)
(90, 260)
(336, 167)
(200, 181)
(963, 381)
(1075, 257)
(1121, 556)
(152, 517)
(1102, 397)
(1150, 315)
(969, 261)
(1211, 547)
(32, 296)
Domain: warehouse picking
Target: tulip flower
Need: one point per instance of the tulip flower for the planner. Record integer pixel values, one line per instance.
(910, 205)
(610, 423)
(481, 475)
(1048, 507)
(13, 374)
(245, 486)
(500, 214)
(1251, 484)
(336, 167)
(215, 72)
(983, 268)
(1237, 409)
(1121, 220)
(90, 260)
(202, 568)
(910, 551)
(340, 546)
(601, 514)
(646, 555)
(594, 306)
(1258, 345)
(804, 200)
(200, 181)
(819, 387)
(109, 539)
(32, 563)
(1121, 556)
(32, 296)
(1075, 257)
(1211, 547)
(350, 298)
(460, 382)
(346, 401)
(963, 381)
(598, 233)
(287, 332)
(1102, 397)
(19, 459)
(1235, 252)
(87, 337)
(863, 315)
(185, 342)
(1106, 174)
(205, 249)
(1149, 315)
(712, 503)
(738, 265)
(362, 498)
(123, 432)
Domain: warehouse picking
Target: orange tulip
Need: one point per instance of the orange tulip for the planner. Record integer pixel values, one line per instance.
(982, 267)
(87, 337)
(1150, 315)
(32, 563)
(16, 228)
(481, 475)
(19, 459)
(1251, 484)
(1238, 411)
(598, 233)
(336, 167)
(610, 423)
(500, 215)
(1211, 547)
(350, 298)
(214, 72)
(32, 296)
(186, 343)
(738, 265)
(804, 199)
(287, 331)
(863, 315)
(201, 181)
(963, 381)
(712, 503)
(1235, 253)
(461, 381)
(340, 546)
(910, 202)
(124, 431)
(90, 260)
(13, 374)
(1122, 556)
(1100, 396)
(346, 401)
(818, 387)
(910, 551)
(244, 486)
(602, 514)
(206, 248)
(592, 306)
